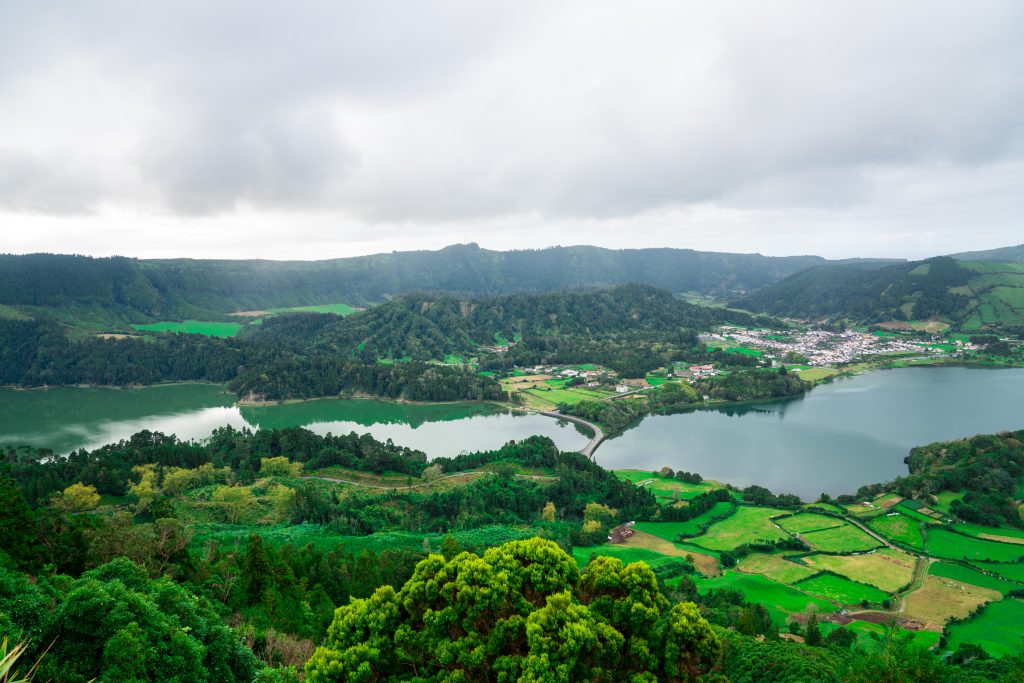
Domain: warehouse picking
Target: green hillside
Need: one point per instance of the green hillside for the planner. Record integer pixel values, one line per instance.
(970, 295)
(118, 290)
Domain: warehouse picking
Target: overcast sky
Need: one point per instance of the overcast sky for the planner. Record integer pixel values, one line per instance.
(319, 130)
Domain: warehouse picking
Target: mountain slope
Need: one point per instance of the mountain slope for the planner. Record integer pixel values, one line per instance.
(129, 290)
(971, 295)
(1014, 254)
(424, 326)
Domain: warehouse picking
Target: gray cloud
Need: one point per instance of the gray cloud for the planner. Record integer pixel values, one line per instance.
(426, 118)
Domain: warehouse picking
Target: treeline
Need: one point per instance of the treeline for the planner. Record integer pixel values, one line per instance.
(987, 467)
(40, 353)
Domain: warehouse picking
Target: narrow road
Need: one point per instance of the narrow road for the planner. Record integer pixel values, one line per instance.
(592, 445)
(869, 531)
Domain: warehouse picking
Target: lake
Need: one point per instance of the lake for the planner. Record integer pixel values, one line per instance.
(68, 418)
(836, 438)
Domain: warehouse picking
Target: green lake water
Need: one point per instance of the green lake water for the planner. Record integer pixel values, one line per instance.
(836, 438)
(68, 418)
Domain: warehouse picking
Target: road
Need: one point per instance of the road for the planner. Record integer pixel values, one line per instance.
(592, 445)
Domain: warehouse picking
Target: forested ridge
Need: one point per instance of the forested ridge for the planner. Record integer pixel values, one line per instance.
(136, 290)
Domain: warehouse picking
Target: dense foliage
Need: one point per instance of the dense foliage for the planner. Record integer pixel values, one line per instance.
(988, 467)
(522, 611)
(137, 290)
(754, 384)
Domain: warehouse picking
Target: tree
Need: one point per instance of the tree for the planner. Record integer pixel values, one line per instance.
(257, 575)
(145, 490)
(279, 466)
(235, 502)
(521, 611)
(17, 526)
(548, 513)
(77, 498)
(812, 634)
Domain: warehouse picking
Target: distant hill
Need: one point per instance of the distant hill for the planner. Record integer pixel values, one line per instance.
(424, 326)
(1012, 254)
(121, 290)
(971, 295)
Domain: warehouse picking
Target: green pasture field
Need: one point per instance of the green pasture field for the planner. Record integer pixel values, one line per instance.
(210, 329)
(747, 525)
(817, 374)
(779, 599)
(624, 553)
(336, 309)
(1014, 571)
(842, 591)
(808, 521)
(452, 359)
(665, 487)
(775, 567)
(997, 629)
(899, 528)
(944, 543)
(867, 631)
(825, 506)
(670, 530)
(977, 530)
(885, 569)
(959, 572)
(841, 539)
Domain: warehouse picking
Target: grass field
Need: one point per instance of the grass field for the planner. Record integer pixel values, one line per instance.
(780, 600)
(808, 521)
(670, 530)
(842, 591)
(337, 309)
(666, 488)
(775, 568)
(841, 539)
(958, 572)
(946, 499)
(705, 564)
(886, 569)
(1014, 572)
(998, 629)
(582, 555)
(210, 329)
(817, 374)
(868, 634)
(899, 528)
(747, 525)
(944, 543)
(1003, 534)
(941, 599)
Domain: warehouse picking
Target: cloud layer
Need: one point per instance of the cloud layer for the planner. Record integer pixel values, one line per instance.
(843, 127)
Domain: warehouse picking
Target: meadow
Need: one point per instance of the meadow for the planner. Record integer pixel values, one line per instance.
(670, 530)
(886, 569)
(899, 528)
(808, 521)
(210, 329)
(747, 525)
(780, 600)
(958, 572)
(842, 591)
(997, 629)
(336, 309)
(841, 539)
(775, 567)
(945, 543)
(940, 599)
(666, 488)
